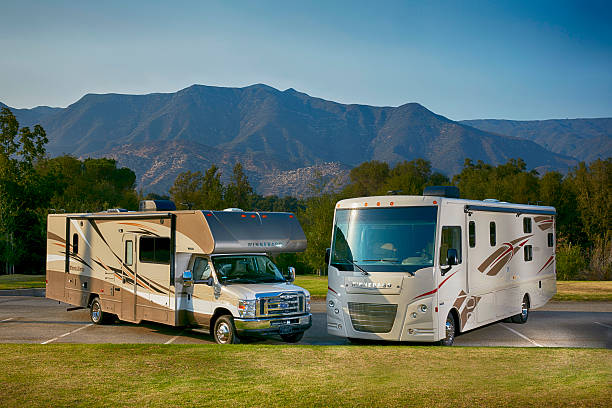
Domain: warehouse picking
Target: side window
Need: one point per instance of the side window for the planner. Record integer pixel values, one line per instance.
(551, 240)
(75, 244)
(129, 253)
(154, 250)
(528, 252)
(201, 269)
(451, 238)
(527, 225)
(492, 234)
(472, 234)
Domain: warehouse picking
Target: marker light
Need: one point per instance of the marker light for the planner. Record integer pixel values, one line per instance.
(243, 216)
(252, 215)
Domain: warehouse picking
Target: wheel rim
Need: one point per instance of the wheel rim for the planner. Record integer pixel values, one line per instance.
(95, 312)
(524, 309)
(223, 332)
(450, 330)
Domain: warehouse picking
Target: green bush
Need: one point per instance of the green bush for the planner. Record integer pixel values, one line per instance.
(572, 261)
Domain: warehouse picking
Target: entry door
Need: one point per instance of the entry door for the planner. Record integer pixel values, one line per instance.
(128, 269)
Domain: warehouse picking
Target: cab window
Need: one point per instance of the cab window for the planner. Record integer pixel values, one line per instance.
(451, 238)
(201, 269)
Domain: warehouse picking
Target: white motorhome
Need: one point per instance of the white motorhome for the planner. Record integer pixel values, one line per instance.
(199, 268)
(425, 268)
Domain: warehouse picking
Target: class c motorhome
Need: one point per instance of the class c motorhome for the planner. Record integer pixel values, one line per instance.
(425, 268)
(200, 268)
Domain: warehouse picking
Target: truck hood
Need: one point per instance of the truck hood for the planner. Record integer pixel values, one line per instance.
(250, 290)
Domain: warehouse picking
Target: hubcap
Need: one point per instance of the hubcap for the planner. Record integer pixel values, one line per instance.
(95, 311)
(524, 309)
(450, 330)
(223, 332)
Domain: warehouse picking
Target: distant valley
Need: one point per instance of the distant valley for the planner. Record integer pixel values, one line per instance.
(286, 139)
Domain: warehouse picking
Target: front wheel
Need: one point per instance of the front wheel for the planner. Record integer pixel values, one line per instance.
(96, 314)
(524, 315)
(292, 338)
(224, 331)
(449, 331)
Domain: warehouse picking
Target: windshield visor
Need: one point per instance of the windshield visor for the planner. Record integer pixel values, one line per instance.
(384, 239)
(246, 269)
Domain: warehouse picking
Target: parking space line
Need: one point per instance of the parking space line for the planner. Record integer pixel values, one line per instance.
(521, 335)
(6, 320)
(67, 334)
(604, 325)
(174, 338)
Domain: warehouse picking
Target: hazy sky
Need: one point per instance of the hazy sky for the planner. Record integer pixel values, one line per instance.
(464, 60)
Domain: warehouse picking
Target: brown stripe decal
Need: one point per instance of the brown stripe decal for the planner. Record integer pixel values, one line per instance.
(547, 264)
(501, 256)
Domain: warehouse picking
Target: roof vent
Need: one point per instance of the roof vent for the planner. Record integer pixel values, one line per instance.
(157, 205)
(491, 200)
(233, 210)
(116, 210)
(441, 191)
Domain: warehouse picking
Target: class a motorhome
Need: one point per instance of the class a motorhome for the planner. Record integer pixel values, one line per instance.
(426, 268)
(210, 269)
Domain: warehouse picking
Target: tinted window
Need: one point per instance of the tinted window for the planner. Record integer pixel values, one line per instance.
(551, 240)
(75, 244)
(472, 234)
(201, 269)
(527, 225)
(528, 252)
(129, 253)
(492, 234)
(156, 250)
(451, 239)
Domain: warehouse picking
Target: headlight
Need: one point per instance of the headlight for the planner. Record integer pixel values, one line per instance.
(308, 303)
(246, 308)
(331, 303)
(423, 308)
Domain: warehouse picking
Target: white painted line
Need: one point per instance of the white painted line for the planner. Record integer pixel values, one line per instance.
(6, 320)
(521, 335)
(66, 334)
(604, 325)
(174, 338)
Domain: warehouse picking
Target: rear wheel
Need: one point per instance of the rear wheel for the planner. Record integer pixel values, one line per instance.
(224, 331)
(96, 314)
(524, 315)
(449, 331)
(292, 338)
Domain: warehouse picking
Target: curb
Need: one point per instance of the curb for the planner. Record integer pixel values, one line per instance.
(35, 292)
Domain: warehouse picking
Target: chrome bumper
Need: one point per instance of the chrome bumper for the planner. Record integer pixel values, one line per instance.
(275, 325)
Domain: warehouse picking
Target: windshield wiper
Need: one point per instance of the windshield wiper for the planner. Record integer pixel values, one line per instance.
(381, 260)
(240, 279)
(363, 271)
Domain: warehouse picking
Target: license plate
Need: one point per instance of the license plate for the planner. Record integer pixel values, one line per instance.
(284, 329)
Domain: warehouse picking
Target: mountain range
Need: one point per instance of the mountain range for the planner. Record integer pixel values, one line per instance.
(284, 139)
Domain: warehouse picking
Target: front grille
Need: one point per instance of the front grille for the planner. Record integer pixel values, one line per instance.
(372, 317)
(281, 305)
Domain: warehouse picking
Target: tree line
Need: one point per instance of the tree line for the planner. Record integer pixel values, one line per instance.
(32, 185)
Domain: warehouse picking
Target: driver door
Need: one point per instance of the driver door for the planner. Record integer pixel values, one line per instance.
(203, 291)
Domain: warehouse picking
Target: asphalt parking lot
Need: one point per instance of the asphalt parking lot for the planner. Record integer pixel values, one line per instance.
(25, 319)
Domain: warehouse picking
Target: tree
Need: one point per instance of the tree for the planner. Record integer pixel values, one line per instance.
(212, 191)
(367, 179)
(239, 192)
(22, 193)
(186, 192)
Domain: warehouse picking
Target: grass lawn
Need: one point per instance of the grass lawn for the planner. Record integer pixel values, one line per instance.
(584, 290)
(21, 281)
(566, 290)
(287, 376)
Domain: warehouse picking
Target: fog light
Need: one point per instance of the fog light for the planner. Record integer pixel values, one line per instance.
(410, 331)
(331, 303)
(423, 308)
(339, 326)
(414, 315)
(336, 311)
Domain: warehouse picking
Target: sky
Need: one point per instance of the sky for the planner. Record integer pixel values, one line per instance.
(462, 59)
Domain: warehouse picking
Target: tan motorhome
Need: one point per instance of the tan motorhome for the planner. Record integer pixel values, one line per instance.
(425, 268)
(203, 268)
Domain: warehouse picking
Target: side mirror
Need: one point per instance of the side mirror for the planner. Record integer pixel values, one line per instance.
(451, 257)
(291, 277)
(187, 278)
(327, 255)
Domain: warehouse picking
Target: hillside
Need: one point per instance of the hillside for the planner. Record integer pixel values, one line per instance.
(584, 139)
(270, 131)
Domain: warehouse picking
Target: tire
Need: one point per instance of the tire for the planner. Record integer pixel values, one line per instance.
(292, 338)
(522, 317)
(96, 314)
(450, 330)
(224, 331)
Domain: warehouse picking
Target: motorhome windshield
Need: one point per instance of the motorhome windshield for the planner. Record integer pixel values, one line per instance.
(246, 269)
(384, 239)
